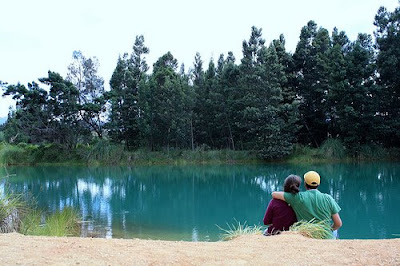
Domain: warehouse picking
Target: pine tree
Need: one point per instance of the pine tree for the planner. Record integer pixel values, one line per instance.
(387, 36)
(312, 68)
(124, 115)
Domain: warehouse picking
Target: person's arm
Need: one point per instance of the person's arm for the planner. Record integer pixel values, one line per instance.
(337, 222)
(268, 214)
(278, 195)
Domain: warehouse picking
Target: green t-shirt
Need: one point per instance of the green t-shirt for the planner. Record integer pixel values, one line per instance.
(312, 204)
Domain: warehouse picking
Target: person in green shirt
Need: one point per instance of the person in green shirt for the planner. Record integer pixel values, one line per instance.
(312, 204)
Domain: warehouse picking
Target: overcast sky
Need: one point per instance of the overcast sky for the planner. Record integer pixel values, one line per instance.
(37, 36)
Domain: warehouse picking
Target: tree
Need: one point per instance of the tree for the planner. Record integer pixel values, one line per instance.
(31, 121)
(353, 95)
(166, 111)
(312, 68)
(268, 121)
(48, 117)
(227, 97)
(63, 107)
(125, 113)
(387, 37)
(201, 134)
(83, 74)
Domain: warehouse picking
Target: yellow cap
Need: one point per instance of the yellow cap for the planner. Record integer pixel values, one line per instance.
(312, 178)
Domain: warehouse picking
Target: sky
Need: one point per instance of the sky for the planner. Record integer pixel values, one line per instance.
(38, 36)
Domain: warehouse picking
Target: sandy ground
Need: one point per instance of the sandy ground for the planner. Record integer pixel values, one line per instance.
(285, 249)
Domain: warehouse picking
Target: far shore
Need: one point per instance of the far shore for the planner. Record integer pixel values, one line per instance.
(286, 249)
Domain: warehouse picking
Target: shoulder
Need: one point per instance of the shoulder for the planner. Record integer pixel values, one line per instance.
(278, 202)
(331, 202)
(290, 197)
(327, 196)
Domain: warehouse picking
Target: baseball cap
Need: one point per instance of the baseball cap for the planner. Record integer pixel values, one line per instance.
(312, 178)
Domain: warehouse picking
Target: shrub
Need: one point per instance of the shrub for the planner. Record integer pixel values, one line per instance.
(105, 152)
(11, 155)
(332, 149)
(372, 151)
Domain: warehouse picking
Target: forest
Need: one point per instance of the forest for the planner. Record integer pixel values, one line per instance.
(269, 101)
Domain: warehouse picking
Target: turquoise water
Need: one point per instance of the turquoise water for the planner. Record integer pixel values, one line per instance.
(190, 202)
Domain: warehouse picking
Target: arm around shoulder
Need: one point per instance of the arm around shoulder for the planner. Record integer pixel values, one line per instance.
(278, 195)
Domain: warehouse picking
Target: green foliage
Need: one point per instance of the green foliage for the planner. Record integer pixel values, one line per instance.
(268, 118)
(82, 72)
(303, 154)
(31, 222)
(271, 100)
(311, 65)
(104, 152)
(388, 64)
(332, 149)
(28, 154)
(12, 155)
(372, 152)
(60, 223)
(124, 95)
(12, 208)
(234, 231)
(45, 117)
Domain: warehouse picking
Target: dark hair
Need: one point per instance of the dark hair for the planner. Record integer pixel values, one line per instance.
(310, 187)
(292, 184)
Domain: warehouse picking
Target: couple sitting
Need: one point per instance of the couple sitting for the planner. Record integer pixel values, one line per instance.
(292, 205)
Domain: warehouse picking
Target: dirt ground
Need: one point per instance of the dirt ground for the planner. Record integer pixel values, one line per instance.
(285, 249)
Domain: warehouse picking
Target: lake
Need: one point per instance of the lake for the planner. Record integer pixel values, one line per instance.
(191, 202)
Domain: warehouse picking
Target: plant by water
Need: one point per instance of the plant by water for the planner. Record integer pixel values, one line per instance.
(312, 229)
(236, 230)
(60, 223)
(16, 215)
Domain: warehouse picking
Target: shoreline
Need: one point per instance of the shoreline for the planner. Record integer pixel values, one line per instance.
(286, 249)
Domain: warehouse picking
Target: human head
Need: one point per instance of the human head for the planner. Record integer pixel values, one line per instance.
(292, 184)
(312, 180)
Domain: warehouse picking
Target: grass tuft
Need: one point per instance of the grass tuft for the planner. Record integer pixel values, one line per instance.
(312, 229)
(234, 231)
(61, 223)
(12, 208)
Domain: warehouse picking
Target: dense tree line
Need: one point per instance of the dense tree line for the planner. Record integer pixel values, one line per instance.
(330, 87)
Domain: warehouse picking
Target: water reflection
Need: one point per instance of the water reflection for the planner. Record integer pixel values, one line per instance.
(186, 203)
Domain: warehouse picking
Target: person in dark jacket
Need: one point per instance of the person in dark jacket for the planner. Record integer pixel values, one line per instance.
(279, 215)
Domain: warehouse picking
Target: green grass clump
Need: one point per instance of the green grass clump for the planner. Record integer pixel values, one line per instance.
(31, 222)
(12, 154)
(234, 231)
(332, 149)
(12, 208)
(61, 223)
(372, 152)
(312, 229)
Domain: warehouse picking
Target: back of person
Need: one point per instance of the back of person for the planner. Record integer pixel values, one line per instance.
(280, 216)
(312, 204)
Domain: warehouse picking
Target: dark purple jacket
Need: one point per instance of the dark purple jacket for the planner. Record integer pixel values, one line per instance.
(279, 215)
